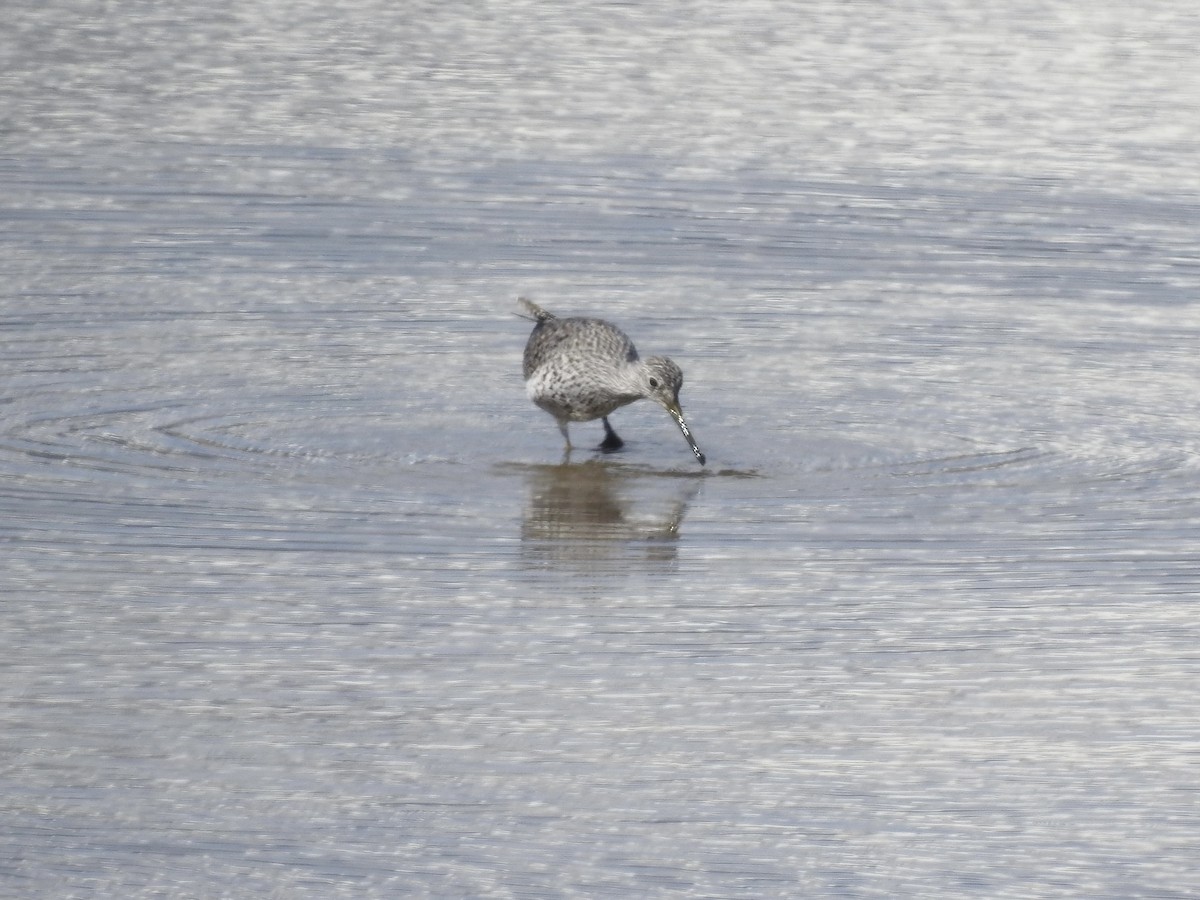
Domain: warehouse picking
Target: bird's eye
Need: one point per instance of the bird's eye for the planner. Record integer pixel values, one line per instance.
(653, 382)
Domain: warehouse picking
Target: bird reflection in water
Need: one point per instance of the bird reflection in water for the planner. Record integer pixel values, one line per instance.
(597, 515)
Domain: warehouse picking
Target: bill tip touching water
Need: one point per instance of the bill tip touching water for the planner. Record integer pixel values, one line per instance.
(578, 369)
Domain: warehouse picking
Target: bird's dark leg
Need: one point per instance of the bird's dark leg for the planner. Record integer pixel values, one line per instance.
(612, 440)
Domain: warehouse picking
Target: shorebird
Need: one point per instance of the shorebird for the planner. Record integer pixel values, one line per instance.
(579, 369)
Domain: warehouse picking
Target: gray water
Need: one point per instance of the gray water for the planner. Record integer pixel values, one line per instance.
(301, 598)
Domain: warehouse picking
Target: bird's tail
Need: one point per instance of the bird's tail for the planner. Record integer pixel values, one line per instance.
(536, 313)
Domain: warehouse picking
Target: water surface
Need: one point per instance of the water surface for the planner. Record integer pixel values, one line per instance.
(301, 597)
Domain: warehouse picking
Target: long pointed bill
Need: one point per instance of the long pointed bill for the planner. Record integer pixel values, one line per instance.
(677, 415)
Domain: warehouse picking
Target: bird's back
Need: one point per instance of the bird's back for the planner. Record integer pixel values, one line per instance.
(577, 343)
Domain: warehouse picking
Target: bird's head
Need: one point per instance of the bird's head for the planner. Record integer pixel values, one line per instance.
(663, 380)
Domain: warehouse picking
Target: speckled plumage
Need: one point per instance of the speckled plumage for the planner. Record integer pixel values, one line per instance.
(579, 369)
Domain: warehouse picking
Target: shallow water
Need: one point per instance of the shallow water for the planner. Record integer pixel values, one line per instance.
(302, 598)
